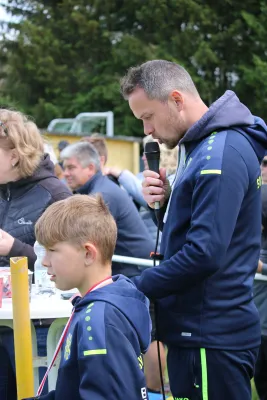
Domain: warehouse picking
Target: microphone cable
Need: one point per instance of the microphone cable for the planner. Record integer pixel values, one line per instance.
(156, 315)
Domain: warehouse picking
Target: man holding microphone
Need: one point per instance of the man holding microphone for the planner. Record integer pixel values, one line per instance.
(211, 228)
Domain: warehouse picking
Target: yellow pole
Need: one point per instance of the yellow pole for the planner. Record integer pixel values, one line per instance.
(22, 327)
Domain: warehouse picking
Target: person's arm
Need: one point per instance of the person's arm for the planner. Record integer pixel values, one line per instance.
(20, 249)
(130, 182)
(212, 225)
(262, 268)
(133, 186)
(108, 364)
(12, 247)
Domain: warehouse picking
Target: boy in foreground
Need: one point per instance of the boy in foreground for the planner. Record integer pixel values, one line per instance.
(110, 326)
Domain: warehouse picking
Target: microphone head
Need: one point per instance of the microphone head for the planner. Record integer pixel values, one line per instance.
(152, 147)
(152, 153)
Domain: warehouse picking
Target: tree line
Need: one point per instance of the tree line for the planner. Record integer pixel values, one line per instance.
(62, 57)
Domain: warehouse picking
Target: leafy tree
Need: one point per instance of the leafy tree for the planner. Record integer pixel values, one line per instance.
(66, 56)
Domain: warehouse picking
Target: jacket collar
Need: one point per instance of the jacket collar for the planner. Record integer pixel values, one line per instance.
(89, 185)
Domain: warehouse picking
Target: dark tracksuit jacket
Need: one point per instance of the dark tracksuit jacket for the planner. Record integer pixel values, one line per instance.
(102, 352)
(211, 238)
(211, 245)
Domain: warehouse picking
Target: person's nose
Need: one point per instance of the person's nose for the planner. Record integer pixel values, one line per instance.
(45, 261)
(66, 173)
(148, 129)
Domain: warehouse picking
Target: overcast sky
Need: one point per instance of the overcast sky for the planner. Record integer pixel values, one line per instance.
(3, 14)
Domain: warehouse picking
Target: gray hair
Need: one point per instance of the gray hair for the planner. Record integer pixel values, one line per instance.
(157, 78)
(84, 152)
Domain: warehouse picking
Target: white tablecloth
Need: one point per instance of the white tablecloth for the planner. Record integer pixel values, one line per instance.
(41, 307)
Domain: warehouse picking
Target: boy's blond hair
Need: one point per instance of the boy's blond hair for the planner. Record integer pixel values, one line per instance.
(18, 132)
(77, 220)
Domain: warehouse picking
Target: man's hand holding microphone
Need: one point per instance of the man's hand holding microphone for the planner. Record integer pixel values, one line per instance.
(156, 187)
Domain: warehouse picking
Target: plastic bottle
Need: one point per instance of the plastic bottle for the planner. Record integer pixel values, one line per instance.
(42, 280)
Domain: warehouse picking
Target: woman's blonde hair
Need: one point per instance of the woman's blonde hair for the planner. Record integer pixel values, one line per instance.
(18, 132)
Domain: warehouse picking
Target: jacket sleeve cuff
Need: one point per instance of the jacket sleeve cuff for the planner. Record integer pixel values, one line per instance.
(20, 249)
(17, 249)
(264, 269)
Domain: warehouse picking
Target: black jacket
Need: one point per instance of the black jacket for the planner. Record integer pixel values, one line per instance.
(23, 202)
(133, 237)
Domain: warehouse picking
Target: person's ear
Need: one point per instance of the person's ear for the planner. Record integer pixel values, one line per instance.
(14, 157)
(103, 161)
(92, 169)
(178, 99)
(90, 253)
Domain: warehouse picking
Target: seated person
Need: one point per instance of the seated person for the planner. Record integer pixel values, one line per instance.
(82, 170)
(99, 143)
(110, 325)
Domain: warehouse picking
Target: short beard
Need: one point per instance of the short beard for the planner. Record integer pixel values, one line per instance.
(174, 122)
(171, 145)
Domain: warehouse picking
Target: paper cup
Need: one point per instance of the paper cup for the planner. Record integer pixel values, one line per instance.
(6, 289)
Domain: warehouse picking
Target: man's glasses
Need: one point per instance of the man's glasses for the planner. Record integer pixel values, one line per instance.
(4, 128)
(264, 163)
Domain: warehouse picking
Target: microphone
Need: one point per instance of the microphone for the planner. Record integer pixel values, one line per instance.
(152, 153)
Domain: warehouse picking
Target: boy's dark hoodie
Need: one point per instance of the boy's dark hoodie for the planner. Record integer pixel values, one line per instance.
(102, 352)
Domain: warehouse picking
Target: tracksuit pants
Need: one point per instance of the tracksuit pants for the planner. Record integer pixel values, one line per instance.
(207, 374)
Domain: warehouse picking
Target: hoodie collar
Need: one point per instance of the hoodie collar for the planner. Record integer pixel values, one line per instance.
(124, 296)
(226, 112)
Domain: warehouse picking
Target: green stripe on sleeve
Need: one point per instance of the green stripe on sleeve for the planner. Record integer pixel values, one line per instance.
(94, 352)
(211, 171)
(204, 374)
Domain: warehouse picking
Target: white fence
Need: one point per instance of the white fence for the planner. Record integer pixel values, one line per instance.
(149, 263)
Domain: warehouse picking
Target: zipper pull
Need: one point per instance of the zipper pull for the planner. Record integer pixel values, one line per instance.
(8, 194)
